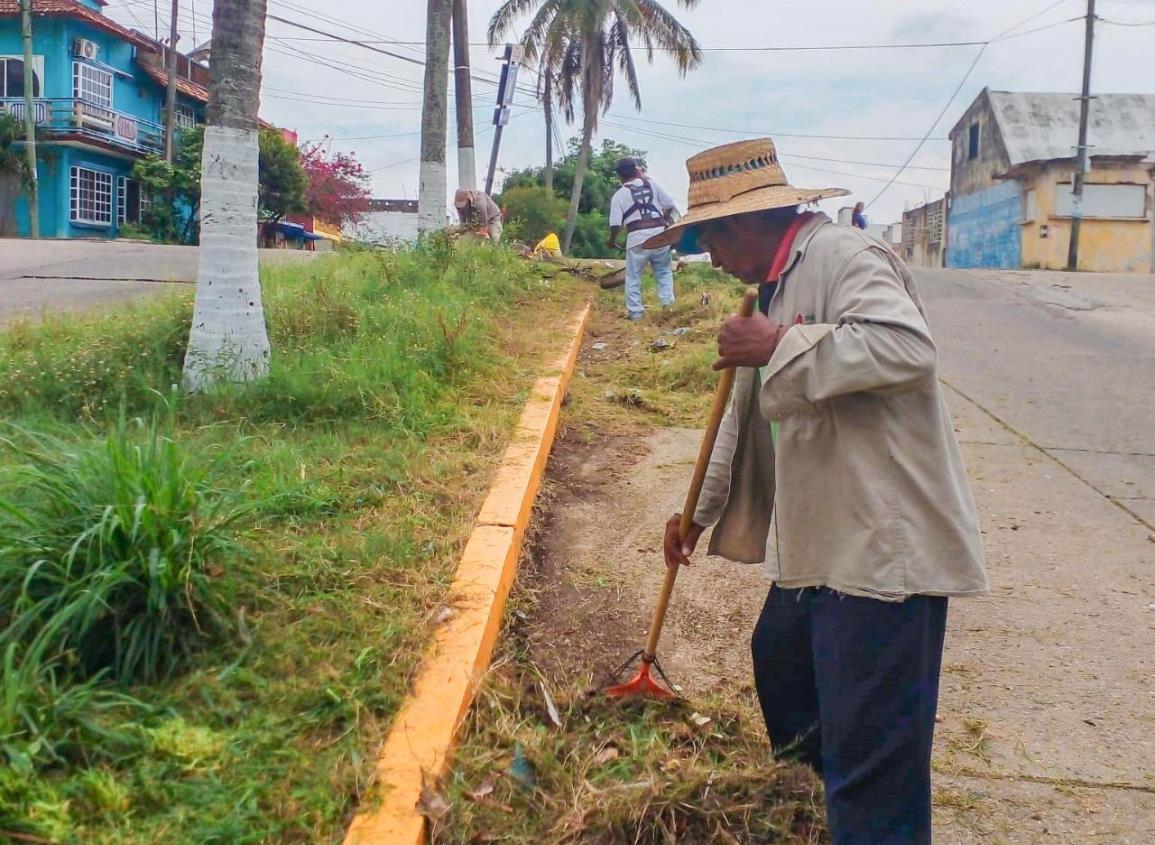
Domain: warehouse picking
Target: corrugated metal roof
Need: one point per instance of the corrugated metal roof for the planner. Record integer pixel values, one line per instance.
(1038, 127)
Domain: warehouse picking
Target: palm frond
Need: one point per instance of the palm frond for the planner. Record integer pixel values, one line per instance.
(668, 34)
(506, 16)
(620, 41)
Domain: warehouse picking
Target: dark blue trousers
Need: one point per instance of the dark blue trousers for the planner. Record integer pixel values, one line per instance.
(849, 686)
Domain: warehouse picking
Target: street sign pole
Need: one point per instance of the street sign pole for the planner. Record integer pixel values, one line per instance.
(514, 53)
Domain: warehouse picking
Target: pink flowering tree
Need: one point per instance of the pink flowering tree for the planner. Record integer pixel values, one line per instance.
(338, 191)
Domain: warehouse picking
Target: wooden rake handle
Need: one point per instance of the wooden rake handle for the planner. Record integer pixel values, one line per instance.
(717, 411)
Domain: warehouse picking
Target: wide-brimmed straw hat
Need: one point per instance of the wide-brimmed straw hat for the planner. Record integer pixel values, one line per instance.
(733, 179)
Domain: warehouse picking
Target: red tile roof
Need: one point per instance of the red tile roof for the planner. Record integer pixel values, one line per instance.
(185, 86)
(76, 11)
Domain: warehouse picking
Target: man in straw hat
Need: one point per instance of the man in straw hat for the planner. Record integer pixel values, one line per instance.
(838, 430)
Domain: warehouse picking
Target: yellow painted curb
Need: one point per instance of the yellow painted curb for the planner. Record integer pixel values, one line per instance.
(420, 742)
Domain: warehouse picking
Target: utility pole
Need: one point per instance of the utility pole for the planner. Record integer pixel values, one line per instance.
(1081, 150)
(466, 160)
(431, 192)
(547, 105)
(30, 122)
(170, 89)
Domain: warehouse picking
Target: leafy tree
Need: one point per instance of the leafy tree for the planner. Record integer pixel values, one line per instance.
(532, 211)
(338, 186)
(583, 44)
(591, 225)
(176, 188)
(282, 183)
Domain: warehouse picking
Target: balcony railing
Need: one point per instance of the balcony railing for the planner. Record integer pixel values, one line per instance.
(78, 117)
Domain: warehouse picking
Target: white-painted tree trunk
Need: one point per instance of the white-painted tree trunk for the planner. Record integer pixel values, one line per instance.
(228, 341)
(431, 202)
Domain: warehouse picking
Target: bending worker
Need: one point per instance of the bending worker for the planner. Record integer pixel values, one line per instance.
(837, 468)
(477, 211)
(644, 209)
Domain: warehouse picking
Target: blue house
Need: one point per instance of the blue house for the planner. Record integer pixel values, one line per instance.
(99, 108)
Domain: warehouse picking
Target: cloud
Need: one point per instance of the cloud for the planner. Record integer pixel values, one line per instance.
(888, 93)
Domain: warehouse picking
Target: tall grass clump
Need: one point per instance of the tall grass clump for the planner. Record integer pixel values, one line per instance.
(383, 336)
(114, 552)
(69, 367)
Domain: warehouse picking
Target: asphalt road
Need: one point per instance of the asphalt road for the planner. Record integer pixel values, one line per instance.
(1066, 360)
(46, 276)
(1047, 708)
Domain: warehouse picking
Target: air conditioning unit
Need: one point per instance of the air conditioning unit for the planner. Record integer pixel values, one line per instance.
(85, 49)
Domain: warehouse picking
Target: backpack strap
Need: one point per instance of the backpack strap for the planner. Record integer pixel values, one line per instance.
(643, 198)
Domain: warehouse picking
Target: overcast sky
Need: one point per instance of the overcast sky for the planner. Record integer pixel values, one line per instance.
(369, 103)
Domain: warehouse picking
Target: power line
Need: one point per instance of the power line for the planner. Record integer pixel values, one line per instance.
(749, 132)
(367, 137)
(364, 44)
(368, 46)
(738, 49)
(701, 144)
(1007, 33)
(933, 126)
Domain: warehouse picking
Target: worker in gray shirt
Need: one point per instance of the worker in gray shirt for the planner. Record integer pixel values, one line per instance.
(477, 211)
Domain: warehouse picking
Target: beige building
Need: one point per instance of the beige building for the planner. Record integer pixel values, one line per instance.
(1013, 159)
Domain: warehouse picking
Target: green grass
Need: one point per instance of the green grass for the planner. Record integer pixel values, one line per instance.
(264, 564)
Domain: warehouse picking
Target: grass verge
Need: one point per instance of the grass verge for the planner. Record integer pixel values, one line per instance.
(356, 469)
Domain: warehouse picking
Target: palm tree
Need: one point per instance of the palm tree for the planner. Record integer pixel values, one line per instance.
(583, 44)
(228, 340)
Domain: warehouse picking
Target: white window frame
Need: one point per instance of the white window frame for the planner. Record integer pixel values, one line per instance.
(185, 117)
(98, 192)
(144, 203)
(92, 84)
(121, 200)
(37, 74)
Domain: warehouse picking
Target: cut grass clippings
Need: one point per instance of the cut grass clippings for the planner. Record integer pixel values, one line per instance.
(656, 371)
(618, 772)
(612, 772)
(359, 463)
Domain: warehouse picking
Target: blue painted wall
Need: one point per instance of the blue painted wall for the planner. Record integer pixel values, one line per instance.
(984, 229)
(134, 94)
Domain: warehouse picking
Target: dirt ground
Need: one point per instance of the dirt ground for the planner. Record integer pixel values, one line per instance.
(1047, 713)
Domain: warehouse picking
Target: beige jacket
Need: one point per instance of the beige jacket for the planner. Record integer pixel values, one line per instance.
(868, 489)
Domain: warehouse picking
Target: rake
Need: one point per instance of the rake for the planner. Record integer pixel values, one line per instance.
(643, 684)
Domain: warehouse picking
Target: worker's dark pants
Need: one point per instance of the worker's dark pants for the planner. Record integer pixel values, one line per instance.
(850, 686)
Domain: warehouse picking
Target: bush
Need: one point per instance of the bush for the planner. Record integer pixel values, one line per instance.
(534, 212)
(113, 552)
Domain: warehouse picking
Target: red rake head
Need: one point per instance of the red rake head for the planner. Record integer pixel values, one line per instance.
(642, 685)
